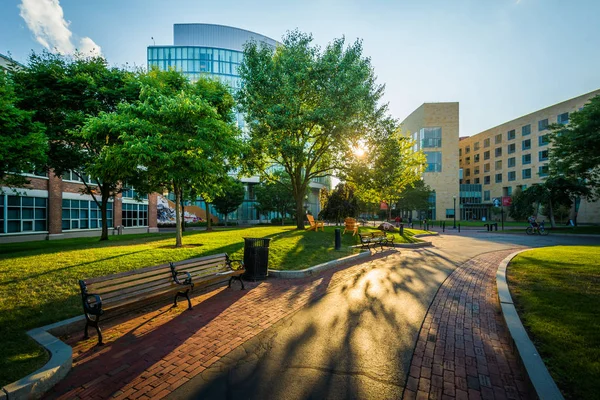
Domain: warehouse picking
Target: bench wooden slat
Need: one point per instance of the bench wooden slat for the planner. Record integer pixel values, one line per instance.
(131, 283)
(142, 273)
(99, 279)
(118, 296)
(106, 297)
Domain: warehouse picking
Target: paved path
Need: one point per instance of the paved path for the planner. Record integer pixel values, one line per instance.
(347, 333)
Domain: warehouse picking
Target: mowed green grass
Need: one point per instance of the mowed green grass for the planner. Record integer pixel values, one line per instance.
(38, 280)
(557, 293)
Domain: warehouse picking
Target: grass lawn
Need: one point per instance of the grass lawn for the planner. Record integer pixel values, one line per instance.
(38, 280)
(557, 293)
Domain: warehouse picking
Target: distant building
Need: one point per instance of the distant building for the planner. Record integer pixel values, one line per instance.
(216, 51)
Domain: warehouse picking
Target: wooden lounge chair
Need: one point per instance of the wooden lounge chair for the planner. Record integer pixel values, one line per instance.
(351, 225)
(315, 225)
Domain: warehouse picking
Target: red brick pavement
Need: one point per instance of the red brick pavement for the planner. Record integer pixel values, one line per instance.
(151, 354)
(463, 350)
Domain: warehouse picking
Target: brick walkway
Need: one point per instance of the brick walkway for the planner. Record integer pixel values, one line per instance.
(152, 353)
(463, 350)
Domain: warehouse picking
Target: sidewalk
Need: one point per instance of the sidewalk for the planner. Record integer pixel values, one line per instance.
(464, 349)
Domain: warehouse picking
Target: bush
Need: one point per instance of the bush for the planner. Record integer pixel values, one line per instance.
(286, 221)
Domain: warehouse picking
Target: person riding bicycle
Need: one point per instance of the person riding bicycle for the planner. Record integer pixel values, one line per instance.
(532, 221)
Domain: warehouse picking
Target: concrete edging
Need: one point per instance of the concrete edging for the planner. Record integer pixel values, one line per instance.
(317, 268)
(534, 365)
(34, 385)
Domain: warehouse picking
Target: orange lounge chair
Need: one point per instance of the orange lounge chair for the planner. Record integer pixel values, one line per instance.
(315, 225)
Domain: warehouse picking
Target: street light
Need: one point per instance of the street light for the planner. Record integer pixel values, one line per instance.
(454, 198)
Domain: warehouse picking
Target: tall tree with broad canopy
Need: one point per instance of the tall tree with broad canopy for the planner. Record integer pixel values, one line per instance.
(276, 195)
(231, 197)
(181, 134)
(23, 143)
(414, 197)
(340, 204)
(306, 106)
(65, 94)
(388, 166)
(575, 152)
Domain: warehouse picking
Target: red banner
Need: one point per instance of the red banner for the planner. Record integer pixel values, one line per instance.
(383, 206)
(506, 201)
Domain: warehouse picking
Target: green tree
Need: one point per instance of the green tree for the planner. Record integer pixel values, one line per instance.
(23, 143)
(574, 151)
(305, 107)
(182, 135)
(231, 197)
(275, 195)
(521, 206)
(415, 197)
(65, 94)
(341, 203)
(388, 167)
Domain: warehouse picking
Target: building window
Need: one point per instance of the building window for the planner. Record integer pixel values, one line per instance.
(486, 142)
(508, 190)
(468, 160)
(526, 159)
(498, 165)
(468, 172)
(459, 152)
(543, 155)
(476, 181)
(563, 118)
(476, 157)
(543, 125)
(526, 144)
(84, 214)
(130, 193)
(498, 178)
(476, 170)
(486, 180)
(476, 146)
(512, 175)
(467, 149)
(135, 214)
(511, 162)
(510, 135)
(431, 137)
(449, 212)
(486, 155)
(434, 161)
(23, 214)
(468, 181)
(525, 130)
(486, 167)
(498, 152)
(526, 173)
(498, 138)
(486, 195)
(512, 148)
(543, 140)
(543, 170)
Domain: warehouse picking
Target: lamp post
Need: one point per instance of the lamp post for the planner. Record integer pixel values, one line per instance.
(454, 226)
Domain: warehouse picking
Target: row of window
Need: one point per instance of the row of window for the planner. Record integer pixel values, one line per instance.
(511, 163)
(22, 214)
(135, 214)
(525, 131)
(511, 148)
(194, 53)
(84, 214)
(511, 176)
(430, 137)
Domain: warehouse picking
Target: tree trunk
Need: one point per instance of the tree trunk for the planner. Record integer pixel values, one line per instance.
(573, 211)
(103, 213)
(178, 242)
(299, 211)
(182, 214)
(208, 219)
(551, 212)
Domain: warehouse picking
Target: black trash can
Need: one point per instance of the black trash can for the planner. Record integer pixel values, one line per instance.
(256, 258)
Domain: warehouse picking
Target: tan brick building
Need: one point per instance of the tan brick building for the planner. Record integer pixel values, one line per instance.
(514, 155)
(434, 128)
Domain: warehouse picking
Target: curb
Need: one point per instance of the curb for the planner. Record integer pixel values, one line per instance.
(34, 385)
(534, 365)
(317, 268)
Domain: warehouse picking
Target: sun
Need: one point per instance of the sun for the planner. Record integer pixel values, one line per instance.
(358, 151)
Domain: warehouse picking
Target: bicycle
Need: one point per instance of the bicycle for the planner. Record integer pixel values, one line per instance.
(539, 229)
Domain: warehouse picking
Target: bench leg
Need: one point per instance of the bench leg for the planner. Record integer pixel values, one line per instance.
(95, 323)
(185, 294)
(239, 278)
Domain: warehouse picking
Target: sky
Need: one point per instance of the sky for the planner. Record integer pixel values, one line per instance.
(500, 59)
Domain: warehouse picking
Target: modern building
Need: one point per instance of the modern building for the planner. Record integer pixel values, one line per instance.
(514, 155)
(434, 129)
(216, 51)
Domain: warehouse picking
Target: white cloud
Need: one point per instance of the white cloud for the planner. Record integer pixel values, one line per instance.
(45, 19)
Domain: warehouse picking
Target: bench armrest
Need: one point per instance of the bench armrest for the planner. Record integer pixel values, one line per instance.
(239, 262)
(94, 309)
(175, 274)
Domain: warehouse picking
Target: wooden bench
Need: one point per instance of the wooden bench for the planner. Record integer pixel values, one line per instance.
(375, 239)
(350, 225)
(119, 292)
(315, 225)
